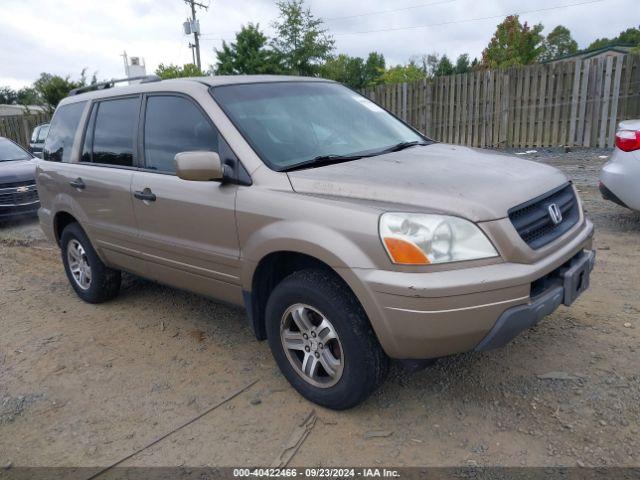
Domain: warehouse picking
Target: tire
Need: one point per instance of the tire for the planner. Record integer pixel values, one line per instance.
(103, 282)
(362, 363)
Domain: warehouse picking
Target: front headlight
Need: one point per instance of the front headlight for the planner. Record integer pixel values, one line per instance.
(421, 239)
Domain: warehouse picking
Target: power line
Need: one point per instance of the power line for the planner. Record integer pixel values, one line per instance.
(452, 22)
(390, 11)
(368, 14)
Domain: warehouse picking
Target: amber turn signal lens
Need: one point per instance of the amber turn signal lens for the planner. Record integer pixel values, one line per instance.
(404, 252)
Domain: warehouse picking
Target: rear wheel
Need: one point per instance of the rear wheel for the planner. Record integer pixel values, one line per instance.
(91, 279)
(322, 340)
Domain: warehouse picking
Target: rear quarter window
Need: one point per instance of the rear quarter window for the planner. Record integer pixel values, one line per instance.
(62, 131)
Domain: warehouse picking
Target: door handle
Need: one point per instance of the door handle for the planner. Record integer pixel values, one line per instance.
(78, 183)
(146, 195)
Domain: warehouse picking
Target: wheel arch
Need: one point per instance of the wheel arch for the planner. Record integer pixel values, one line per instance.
(60, 221)
(270, 271)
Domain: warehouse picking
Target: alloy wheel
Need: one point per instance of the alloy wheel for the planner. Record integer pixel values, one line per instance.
(79, 264)
(312, 345)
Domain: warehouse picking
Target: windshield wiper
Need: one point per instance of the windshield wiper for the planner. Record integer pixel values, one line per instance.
(402, 145)
(321, 160)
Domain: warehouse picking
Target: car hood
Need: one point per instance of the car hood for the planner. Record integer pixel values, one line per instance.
(479, 185)
(17, 171)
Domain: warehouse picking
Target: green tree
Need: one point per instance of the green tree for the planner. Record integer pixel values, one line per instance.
(631, 36)
(166, 72)
(374, 68)
(600, 43)
(53, 88)
(301, 42)
(344, 69)
(429, 64)
(462, 64)
(354, 72)
(29, 96)
(513, 43)
(445, 67)
(248, 55)
(8, 96)
(403, 73)
(558, 43)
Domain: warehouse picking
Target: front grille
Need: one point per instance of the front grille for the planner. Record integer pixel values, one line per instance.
(13, 194)
(533, 221)
(25, 183)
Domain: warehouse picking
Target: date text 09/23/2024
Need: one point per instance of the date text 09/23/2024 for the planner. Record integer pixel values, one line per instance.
(317, 472)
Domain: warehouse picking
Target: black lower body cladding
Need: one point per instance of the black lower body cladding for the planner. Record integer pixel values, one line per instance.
(564, 286)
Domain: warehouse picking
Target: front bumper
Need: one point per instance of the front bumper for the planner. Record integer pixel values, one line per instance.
(564, 287)
(16, 211)
(430, 315)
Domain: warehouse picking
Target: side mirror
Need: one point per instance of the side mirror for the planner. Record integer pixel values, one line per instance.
(199, 166)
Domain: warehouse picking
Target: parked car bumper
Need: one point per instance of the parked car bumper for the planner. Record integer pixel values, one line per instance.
(430, 315)
(619, 179)
(18, 200)
(609, 195)
(16, 211)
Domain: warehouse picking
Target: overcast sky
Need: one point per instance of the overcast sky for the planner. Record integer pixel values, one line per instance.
(64, 36)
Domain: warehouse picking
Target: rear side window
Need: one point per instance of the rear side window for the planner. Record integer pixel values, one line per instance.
(174, 124)
(57, 147)
(113, 132)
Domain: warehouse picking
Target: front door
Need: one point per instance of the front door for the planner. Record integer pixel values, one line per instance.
(188, 235)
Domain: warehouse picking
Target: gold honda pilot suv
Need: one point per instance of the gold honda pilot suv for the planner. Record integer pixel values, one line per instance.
(349, 237)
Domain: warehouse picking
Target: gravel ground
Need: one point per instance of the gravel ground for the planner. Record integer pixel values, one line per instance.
(86, 385)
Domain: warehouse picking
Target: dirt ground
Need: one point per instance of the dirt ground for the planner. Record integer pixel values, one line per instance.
(85, 385)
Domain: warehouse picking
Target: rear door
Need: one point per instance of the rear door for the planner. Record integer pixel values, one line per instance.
(187, 229)
(100, 182)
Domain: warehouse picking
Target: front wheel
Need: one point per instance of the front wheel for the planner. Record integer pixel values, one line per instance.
(322, 340)
(91, 279)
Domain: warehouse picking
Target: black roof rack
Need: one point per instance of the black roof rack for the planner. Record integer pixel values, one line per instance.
(111, 83)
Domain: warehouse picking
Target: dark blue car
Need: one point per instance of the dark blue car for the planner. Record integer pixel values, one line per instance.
(18, 193)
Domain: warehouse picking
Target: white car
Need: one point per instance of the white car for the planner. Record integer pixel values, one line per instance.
(620, 177)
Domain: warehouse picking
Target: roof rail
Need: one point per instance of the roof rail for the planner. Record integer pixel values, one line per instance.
(111, 83)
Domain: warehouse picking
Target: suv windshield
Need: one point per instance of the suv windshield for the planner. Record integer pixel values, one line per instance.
(294, 123)
(10, 151)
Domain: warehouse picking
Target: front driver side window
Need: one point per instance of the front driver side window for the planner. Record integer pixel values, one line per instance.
(174, 124)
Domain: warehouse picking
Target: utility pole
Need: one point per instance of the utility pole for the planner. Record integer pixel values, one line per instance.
(192, 47)
(195, 29)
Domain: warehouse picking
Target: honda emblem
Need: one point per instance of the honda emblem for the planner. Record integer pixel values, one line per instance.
(555, 214)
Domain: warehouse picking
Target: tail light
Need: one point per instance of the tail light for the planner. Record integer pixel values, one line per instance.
(628, 140)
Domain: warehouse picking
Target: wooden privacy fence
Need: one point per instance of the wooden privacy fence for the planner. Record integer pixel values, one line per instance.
(19, 127)
(567, 103)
